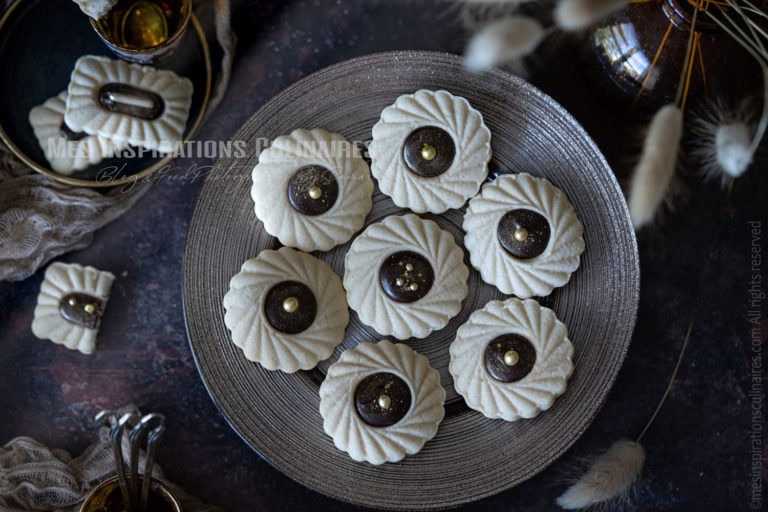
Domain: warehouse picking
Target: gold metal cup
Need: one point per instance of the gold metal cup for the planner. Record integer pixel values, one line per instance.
(106, 497)
(144, 31)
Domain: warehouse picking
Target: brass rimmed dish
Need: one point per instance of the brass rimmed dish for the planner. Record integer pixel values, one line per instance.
(37, 68)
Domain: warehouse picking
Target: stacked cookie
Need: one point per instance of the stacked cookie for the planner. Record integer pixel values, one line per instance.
(405, 276)
(109, 105)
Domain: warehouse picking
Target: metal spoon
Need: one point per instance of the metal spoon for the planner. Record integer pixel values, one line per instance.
(109, 419)
(133, 422)
(152, 439)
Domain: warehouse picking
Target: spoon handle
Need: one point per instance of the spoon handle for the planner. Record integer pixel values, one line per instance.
(153, 438)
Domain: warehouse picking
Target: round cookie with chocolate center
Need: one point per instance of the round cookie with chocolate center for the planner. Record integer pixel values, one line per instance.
(405, 276)
(511, 359)
(311, 189)
(523, 235)
(381, 401)
(430, 151)
(286, 310)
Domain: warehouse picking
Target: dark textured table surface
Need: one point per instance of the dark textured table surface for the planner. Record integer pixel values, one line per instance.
(697, 265)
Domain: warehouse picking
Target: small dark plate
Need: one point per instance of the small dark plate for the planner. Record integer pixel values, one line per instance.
(40, 41)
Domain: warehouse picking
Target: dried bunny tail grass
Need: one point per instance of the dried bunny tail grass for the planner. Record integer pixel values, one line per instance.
(722, 138)
(610, 477)
(656, 167)
(732, 148)
(752, 42)
(572, 15)
(503, 41)
(477, 13)
(475, 16)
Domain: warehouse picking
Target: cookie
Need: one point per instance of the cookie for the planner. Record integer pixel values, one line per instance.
(311, 189)
(138, 105)
(511, 359)
(70, 305)
(96, 9)
(405, 276)
(430, 151)
(286, 310)
(66, 150)
(523, 235)
(381, 401)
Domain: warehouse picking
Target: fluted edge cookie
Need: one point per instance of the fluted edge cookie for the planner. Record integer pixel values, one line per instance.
(70, 305)
(405, 276)
(129, 103)
(311, 189)
(67, 151)
(381, 401)
(523, 235)
(430, 151)
(286, 310)
(511, 359)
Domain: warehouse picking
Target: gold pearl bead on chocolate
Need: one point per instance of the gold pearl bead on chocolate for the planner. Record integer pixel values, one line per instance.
(521, 234)
(428, 152)
(291, 305)
(408, 267)
(90, 309)
(72, 301)
(399, 282)
(315, 192)
(511, 358)
(384, 402)
(413, 287)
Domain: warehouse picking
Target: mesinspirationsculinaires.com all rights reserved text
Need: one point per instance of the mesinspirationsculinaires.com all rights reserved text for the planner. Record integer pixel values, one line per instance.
(756, 293)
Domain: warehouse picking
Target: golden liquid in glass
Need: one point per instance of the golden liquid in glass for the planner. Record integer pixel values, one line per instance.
(142, 24)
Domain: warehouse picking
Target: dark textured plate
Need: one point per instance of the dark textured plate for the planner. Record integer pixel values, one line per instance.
(471, 456)
(40, 41)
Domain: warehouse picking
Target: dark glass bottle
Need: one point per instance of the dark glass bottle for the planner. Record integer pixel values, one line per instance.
(636, 58)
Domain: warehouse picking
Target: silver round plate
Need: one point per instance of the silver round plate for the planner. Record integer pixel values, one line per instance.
(471, 456)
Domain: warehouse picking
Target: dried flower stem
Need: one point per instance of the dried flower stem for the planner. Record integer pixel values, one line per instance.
(754, 47)
(669, 386)
(611, 476)
(688, 54)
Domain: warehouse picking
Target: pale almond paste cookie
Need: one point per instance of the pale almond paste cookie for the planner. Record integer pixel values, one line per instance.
(311, 189)
(430, 151)
(381, 401)
(139, 105)
(286, 310)
(67, 151)
(511, 359)
(405, 276)
(523, 235)
(70, 305)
